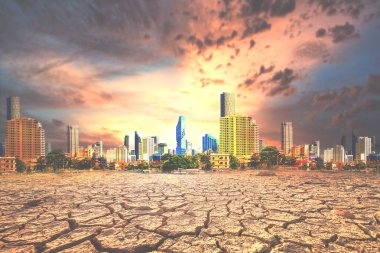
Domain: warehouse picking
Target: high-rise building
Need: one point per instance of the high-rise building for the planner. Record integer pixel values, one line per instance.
(137, 145)
(227, 104)
(354, 140)
(73, 140)
(209, 143)
(189, 148)
(122, 154)
(315, 148)
(181, 136)
(286, 136)
(25, 139)
(239, 135)
(328, 155)
(47, 148)
(339, 154)
(147, 148)
(163, 148)
(261, 145)
(126, 141)
(155, 142)
(98, 149)
(111, 155)
(373, 143)
(363, 148)
(13, 107)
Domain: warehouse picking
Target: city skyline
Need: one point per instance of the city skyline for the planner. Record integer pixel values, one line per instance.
(299, 62)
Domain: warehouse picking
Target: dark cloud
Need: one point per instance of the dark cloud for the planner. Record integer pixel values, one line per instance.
(275, 8)
(255, 25)
(354, 110)
(342, 32)
(282, 83)
(321, 32)
(251, 44)
(349, 7)
(330, 99)
(283, 7)
(221, 41)
(264, 70)
(58, 123)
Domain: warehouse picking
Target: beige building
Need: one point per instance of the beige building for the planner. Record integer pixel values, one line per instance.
(220, 161)
(73, 140)
(25, 139)
(7, 164)
(363, 149)
(239, 135)
(286, 137)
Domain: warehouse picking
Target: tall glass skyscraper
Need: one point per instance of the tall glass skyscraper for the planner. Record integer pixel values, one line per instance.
(181, 136)
(209, 143)
(137, 145)
(126, 141)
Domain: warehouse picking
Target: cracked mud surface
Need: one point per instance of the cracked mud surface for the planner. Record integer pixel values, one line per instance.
(219, 212)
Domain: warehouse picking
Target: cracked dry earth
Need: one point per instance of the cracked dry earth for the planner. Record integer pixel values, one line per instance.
(217, 212)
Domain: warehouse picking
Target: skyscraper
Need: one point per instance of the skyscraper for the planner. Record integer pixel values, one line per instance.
(363, 148)
(137, 145)
(373, 143)
(315, 148)
(354, 140)
(47, 148)
(286, 136)
(239, 135)
(328, 155)
(339, 154)
(13, 107)
(227, 104)
(98, 149)
(261, 145)
(126, 141)
(181, 136)
(25, 139)
(209, 143)
(147, 148)
(155, 142)
(73, 140)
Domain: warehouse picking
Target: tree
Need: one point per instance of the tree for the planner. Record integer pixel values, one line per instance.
(56, 160)
(166, 157)
(234, 162)
(20, 166)
(178, 161)
(131, 167)
(254, 161)
(205, 162)
(41, 164)
(270, 156)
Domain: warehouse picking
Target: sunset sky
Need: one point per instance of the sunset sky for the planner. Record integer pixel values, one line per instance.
(113, 67)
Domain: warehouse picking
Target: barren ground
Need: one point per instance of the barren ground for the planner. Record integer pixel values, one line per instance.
(218, 212)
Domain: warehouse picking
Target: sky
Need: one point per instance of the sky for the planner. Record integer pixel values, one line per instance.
(113, 67)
